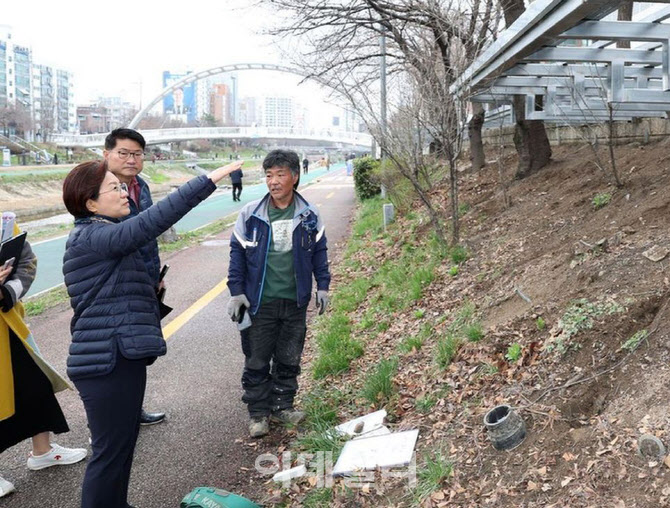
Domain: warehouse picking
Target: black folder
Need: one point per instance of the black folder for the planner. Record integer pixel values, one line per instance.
(12, 248)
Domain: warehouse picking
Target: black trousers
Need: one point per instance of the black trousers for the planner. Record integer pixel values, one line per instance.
(237, 187)
(113, 404)
(272, 348)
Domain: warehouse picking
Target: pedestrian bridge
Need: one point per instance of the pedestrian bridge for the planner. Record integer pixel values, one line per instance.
(335, 138)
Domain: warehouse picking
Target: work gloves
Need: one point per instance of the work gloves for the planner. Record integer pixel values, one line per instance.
(322, 300)
(235, 305)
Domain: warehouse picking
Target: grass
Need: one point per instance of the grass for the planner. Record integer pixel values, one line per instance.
(447, 348)
(474, 332)
(432, 475)
(37, 305)
(425, 404)
(458, 254)
(336, 346)
(378, 386)
(540, 323)
(30, 177)
(318, 498)
(600, 200)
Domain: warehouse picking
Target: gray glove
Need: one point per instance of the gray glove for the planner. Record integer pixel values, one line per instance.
(322, 300)
(235, 304)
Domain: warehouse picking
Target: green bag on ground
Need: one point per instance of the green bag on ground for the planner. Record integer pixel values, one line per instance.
(209, 497)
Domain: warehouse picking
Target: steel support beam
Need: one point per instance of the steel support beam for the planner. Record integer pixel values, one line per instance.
(588, 54)
(618, 31)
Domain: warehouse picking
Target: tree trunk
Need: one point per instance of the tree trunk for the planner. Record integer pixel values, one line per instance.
(625, 14)
(530, 136)
(477, 156)
(530, 140)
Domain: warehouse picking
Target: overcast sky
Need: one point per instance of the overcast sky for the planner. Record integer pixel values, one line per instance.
(112, 47)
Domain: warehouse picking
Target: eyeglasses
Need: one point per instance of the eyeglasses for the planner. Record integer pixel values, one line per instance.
(124, 154)
(120, 188)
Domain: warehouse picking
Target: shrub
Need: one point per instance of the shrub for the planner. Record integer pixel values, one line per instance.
(366, 181)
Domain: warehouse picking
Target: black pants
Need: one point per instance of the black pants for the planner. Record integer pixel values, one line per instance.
(272, 348)
(113, 404)
(237, 187)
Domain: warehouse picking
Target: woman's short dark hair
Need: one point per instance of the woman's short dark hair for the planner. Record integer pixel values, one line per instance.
(81, 184)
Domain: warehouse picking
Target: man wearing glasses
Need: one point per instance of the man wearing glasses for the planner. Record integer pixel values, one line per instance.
(124, 153)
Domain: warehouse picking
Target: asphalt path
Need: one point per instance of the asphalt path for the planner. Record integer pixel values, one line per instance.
(50, 252)
(204, 441)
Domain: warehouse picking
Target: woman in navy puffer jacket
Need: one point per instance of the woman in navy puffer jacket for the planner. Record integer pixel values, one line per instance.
(116, 328)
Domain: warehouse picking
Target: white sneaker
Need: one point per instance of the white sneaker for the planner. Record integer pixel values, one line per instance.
(57, 456)
(6, 487)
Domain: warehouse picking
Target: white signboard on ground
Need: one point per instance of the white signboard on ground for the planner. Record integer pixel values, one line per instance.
(391, 450)
(6, 157)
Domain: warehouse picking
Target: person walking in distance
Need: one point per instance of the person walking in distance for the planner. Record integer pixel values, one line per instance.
(124, 153)
(236, 180)
(305, 165)
(278, 245)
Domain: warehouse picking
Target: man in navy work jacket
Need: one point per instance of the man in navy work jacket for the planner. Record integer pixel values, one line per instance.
(278, 244)
(124, 152)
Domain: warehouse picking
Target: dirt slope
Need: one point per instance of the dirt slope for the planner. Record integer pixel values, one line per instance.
(570, 286)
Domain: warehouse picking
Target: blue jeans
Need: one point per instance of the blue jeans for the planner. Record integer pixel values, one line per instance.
(272, 348)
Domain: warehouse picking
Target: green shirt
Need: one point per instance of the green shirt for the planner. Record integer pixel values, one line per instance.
(280, 272)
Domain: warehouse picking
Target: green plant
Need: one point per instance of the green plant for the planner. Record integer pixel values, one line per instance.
(410, 344)
(632, 344)
(580, 315)
(541, 325)
(336, 346)
(431, 475)
(419, 313)
(378, 385)
(463, 208)
(474, 332)
(366, 177)
(453, 271)
(425, 404)
(513, 353)
(318, 498)
(446, 350)
(458, 254)
(600, 200)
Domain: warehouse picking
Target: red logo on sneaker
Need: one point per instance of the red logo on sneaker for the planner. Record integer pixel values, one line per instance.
(57, 457)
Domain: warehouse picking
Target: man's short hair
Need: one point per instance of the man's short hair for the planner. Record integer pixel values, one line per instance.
(123, 133)
(282, 159)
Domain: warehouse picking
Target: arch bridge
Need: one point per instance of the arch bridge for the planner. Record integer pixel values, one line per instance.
(334, 138)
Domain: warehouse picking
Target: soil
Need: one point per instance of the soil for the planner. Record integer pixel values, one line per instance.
(585, 397)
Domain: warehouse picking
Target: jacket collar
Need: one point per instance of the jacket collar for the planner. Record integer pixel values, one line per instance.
(261, 210)
(96, 218)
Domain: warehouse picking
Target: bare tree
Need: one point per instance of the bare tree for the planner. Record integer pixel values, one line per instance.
(625, 13)
(428, 40)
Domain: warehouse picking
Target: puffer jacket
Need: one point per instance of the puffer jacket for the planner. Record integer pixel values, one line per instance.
(250, 243)
(111, 292)
(150, 250)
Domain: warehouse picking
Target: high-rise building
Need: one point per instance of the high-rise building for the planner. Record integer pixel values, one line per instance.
(181, 104)
(277, 112)
(41, 93)
(106, 114)
(247, 112)
(206, 87)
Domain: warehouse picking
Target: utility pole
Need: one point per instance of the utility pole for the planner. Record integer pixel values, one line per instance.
(382, 92)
